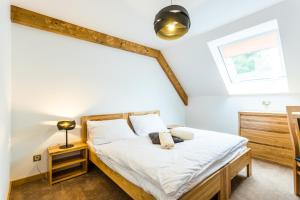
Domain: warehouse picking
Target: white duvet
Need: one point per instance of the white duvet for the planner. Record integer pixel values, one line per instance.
(172, 170)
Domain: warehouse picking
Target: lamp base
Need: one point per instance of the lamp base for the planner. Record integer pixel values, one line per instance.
(66, 146)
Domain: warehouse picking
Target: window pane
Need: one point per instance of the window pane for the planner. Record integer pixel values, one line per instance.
(253, 58)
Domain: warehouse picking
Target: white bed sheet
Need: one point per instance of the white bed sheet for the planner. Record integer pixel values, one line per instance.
(155, 189)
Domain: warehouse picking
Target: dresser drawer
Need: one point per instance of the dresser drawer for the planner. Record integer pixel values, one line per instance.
(268, 135)
(272, 154)
(272, 126)
(264, 117)
(270, 138)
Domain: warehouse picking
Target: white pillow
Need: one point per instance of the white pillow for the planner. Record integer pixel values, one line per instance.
(145, 124)
(102, 132)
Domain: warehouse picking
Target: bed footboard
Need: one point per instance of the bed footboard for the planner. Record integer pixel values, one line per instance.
(213, 185)
(236, 165)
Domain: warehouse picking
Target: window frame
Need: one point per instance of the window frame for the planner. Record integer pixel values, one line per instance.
(262, 85)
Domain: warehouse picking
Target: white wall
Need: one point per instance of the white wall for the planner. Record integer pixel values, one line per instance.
(55, 77)
(5, 97)
(220, 113)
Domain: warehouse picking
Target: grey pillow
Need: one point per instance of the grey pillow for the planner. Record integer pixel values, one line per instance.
(155, 138)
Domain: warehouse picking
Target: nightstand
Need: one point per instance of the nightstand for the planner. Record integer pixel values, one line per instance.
(68, 163)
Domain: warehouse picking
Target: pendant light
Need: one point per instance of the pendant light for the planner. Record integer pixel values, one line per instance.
(172, 22)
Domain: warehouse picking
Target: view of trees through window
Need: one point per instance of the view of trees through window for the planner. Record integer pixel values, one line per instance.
(261, 64)
(245, 63)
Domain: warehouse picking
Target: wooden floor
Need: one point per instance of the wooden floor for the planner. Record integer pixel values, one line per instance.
(269, 182)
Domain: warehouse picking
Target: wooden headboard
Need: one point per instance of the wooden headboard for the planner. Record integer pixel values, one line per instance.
(84, 120)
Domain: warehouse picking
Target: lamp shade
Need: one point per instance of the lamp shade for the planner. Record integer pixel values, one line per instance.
(66, 125)
(172, 22)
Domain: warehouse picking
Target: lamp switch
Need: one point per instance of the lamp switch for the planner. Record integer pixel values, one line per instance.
(37, 157)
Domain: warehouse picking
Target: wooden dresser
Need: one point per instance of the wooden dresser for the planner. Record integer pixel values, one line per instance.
(268, 135)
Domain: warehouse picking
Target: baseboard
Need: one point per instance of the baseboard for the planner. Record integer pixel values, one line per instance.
(28, 179)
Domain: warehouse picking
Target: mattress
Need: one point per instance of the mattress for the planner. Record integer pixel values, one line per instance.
(165, 187)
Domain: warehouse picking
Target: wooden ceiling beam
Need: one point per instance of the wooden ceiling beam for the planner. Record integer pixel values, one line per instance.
(46, 23)
(172, 77)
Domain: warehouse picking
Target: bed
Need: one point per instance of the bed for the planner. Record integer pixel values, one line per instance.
(214, 180)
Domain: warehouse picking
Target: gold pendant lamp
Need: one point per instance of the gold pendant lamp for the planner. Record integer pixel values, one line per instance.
(172, 22)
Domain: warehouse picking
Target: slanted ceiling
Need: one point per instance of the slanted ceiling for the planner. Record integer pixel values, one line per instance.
(194, 65)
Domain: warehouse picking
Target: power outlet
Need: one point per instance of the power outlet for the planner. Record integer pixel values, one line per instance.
(37, 158)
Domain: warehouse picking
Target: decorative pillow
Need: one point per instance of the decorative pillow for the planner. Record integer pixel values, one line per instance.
(145, 124)
(183, 133)
(155, 138)
(101, 132)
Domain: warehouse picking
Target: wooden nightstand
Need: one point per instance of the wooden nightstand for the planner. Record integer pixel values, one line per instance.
(64, 164)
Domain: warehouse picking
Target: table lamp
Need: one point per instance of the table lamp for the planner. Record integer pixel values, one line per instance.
(66, 125)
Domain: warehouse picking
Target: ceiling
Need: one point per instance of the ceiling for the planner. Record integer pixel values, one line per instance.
(133, 19)
(196, 69)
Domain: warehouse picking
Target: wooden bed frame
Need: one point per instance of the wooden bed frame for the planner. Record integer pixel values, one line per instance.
(218, 183)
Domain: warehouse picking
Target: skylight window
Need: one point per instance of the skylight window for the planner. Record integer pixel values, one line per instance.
(251, 61)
